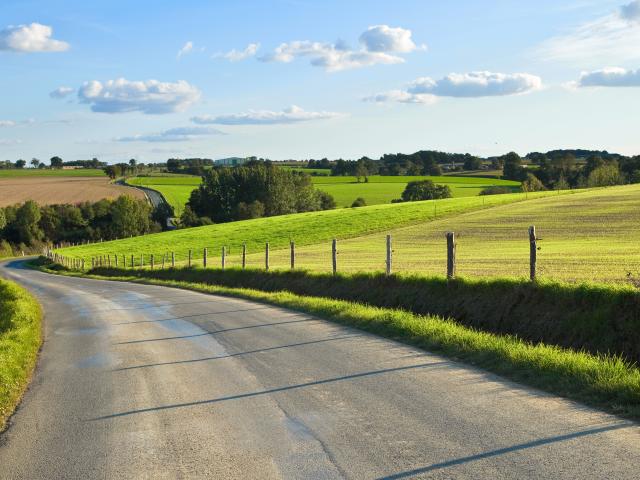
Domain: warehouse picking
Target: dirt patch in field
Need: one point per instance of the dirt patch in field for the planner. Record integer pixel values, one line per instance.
(52, 190)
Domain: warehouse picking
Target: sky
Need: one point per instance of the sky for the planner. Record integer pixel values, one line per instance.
(301, 79)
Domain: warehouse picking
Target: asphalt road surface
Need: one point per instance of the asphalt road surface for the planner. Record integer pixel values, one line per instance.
(150, 382)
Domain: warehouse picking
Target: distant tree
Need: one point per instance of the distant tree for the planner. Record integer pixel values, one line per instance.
(56, 162)
(495, 190)
(133, 163)
(111, 171)
(635, 176)
(327, 202)
(561, 183)
(21, 163)
(130, 217)
(190, 219)
(161, 214)
(35, 163)
(27, 219)
(359, 202)
(532, 184)
(605, 176)
(425, 190)
(472, 163)
(512, 169)
(3, 219)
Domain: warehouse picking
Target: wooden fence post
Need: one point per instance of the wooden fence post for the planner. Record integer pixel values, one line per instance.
(334, 255)
(292, 247)
(204, 257)
(244, 255)
(189, 259)
(224, 251)
(116, 259)
(124, 261)
(266, 256)
(533, 253)
(93, 262)
(133, 261)
(151, 261)
(109, 260)
(389, 256)
(83, 264)
(164, 255)
(451, 255)
(173, 259)
(142, 259)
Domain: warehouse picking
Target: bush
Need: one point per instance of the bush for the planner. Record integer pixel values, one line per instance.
(605, 176)
(495, 190)
(359, 202)
(247, 211)
(532, 184)
(425, 190)
(327, 202)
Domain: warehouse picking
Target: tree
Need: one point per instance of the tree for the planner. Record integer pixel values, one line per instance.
(111, 171)
(20, 163)
(56, 162)
(129, 217)
(359, 202)
(425, 190)
(247, 211)
(512, 169)
(604, 176)
(472, 163)
(35, 163)
(27, 218)
(532, 184)
(327, 202)
(3, 219)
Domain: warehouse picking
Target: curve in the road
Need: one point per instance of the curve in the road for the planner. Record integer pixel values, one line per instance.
(147, 381)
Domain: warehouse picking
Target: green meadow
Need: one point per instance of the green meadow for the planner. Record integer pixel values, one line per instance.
(378, 190)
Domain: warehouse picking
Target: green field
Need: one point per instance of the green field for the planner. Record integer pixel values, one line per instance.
(585, 235)
(384, 189)
(380, 189)
(43, 172)
(304, 228)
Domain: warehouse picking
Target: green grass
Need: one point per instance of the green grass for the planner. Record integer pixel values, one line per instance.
(379, 189)
(604, 381)
(303, 228)
(20, 338)
(584, 236)
(33, 172)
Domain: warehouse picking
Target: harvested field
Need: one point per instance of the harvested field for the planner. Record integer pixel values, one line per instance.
(52, 190)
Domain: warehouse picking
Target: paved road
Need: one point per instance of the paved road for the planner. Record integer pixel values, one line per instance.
(142, 381)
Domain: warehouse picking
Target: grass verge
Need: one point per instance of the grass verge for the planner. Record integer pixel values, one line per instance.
(601, 380)
(20, 338)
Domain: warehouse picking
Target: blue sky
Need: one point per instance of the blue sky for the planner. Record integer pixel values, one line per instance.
(309, 79)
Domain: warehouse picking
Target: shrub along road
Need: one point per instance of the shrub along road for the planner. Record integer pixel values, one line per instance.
(140, 380)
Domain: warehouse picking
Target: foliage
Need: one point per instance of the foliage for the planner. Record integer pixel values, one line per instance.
(513, 169)
(280, 191)
(56, 162)
(532, 184)
(359, 202)
(495, 190)
(425, 190)
(604, 176)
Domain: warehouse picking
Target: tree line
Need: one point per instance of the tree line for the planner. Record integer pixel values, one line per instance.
(29, 226)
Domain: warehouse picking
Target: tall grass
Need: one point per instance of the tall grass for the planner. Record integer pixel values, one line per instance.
(20, 337)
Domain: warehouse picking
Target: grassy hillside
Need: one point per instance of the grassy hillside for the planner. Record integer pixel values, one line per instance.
(305, 228)
(587, 235)
(37, 172)
(379, 189)
(20, 317)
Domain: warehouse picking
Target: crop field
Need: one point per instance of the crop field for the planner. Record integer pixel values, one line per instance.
(60, 189)
(379, 189)
(303, 228)
(37, 172)
(584, 235)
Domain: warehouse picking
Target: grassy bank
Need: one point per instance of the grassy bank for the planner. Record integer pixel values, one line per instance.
(20, 337)
(598, 319)
(604, 381)
(304, 228)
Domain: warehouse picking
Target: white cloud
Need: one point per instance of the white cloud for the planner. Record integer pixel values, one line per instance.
(380, 44)
(612, 38)
(7, 123)
(8, 142)
(293, 114)
(610, 77)
(62, 92)
(239, 55)
(30, 38)
(185, 50)
(383, 38)
(181, 134)
(462, 85)
(149, 97)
